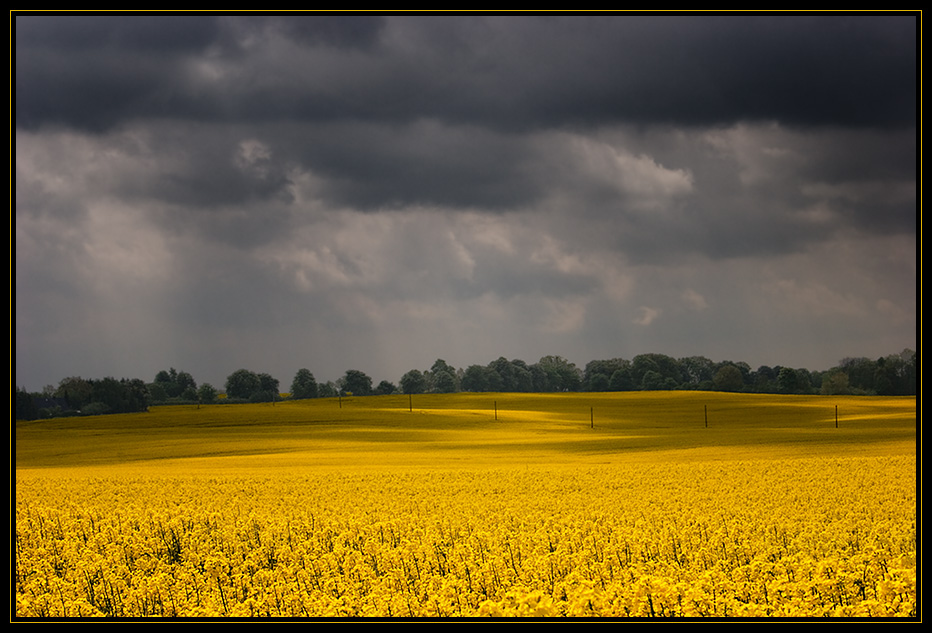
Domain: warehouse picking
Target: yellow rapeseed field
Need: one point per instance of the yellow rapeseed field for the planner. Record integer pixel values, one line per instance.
(638, 505)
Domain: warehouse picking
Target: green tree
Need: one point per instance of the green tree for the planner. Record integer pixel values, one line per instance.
(794, 381)
(442, 377)
(540, 382)
(697, 370)
(562, 374)
(445, 382)
(834, 383)
(728, 378)
(909, 372)
(861, 373)
(242, 383)
(97, 408)
(303, 385)
(206, 394)
(475, 379)
(505, 371)
(616, 370)
(599, 382)
(26, 408)
(268, 389)
(653, 380)
(413, 382)
(494, 380)
(174, 383)
(165, 381)
(157, 392)
(357, 383)
(137, 394)
(327, 390)
(764, 379)
(668, 367)
(884, 378)
(184, 380)
(109, 395)
(521, 375)
(621, 380)
(76, 391)
(385, 388)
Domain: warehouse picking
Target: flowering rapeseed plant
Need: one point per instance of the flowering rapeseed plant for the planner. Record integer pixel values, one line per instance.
(723, 533)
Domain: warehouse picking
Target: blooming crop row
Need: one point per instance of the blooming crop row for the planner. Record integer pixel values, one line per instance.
(795, 538)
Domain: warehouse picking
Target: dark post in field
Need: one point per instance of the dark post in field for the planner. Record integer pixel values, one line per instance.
(591, 419)
(495, 404)
(706, 409)
(836, 416)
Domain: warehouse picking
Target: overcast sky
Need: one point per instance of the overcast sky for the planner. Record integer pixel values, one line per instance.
(375, 193)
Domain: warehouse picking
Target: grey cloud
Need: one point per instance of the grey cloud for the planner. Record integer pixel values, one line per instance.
(76, 33)
(96, 72)
(222, 184)
(508, 72)
(653, 195)
(762, 189)
(269, 192)
(422, 164)
(426, 256)
(342, 31)
(197, 166)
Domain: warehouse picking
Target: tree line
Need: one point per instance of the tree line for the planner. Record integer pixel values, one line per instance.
(895, 374)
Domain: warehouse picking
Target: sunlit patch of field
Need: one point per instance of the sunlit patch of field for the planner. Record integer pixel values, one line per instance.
(636, 504)
(503, 428)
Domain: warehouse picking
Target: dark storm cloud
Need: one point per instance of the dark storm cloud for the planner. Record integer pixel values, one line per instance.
(389, 112)
(202, 166)
(504, 71)
(77, 34)
(695, 71)
(762, 190)
(426, 163)
(94, 72)
(353, 31)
